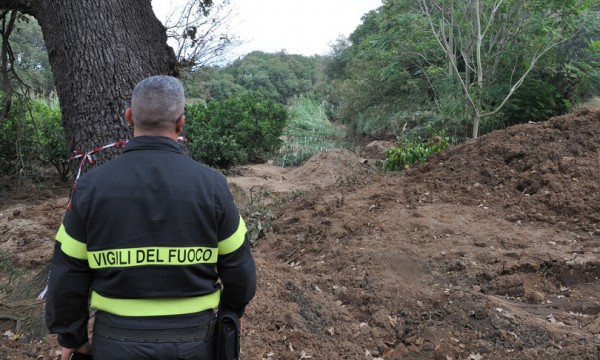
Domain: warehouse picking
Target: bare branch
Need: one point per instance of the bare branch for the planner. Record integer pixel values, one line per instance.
(465, 88)
(522, 78)
(491, 19)
(201, 34)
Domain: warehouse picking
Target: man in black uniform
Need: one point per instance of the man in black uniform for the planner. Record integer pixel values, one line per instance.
(153, 241)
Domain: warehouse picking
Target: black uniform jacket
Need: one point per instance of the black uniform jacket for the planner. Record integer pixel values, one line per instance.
(146, 237)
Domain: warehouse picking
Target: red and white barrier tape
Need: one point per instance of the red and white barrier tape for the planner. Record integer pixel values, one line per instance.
(86, 157)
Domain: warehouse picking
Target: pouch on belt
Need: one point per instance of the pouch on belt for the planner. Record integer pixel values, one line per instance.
(228, 336)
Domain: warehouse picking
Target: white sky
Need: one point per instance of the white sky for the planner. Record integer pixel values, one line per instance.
(305, 27)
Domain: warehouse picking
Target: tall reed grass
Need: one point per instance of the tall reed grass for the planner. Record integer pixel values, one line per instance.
(309, 132)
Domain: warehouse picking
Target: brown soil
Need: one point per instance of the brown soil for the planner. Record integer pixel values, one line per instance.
(488, 251)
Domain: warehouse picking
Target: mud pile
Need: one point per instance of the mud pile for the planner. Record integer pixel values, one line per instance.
(546, 171)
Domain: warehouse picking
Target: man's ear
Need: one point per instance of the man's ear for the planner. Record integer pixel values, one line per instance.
(129, 117)
(179, 124)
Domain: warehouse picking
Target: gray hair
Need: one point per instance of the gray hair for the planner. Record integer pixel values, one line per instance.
(157, 102)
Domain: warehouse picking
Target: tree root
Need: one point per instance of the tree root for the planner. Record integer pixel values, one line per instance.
(17, 321)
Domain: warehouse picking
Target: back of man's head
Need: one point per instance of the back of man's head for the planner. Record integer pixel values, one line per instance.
(157, 103)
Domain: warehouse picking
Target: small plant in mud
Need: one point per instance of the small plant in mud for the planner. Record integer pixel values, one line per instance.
(258, 211)
(254, 210)
(413, 150)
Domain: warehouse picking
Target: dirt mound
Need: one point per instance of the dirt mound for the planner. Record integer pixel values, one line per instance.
(545, 171)
(333, 167)
(27, 232)
(268, 183)
(488, 251)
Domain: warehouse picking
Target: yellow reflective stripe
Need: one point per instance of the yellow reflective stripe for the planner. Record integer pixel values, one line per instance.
(70, 246)
(152, 256)
(233, 242)
(155, 307)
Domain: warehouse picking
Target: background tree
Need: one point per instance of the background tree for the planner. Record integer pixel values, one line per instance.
(7, 58)
(30, 57)
(379, 91)
(30, 126)
(210, 84)
(278, 76)
(396, 78)
(485, 38)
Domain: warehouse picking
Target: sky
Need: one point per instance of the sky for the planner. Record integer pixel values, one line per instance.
(305, 27)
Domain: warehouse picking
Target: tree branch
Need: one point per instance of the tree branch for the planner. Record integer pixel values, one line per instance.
(24, 6)
(441, 42)
(201, 33)
(522, 78)
(6, 61)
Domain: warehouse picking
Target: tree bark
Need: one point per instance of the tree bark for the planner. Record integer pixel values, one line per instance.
(98, 51)
(6, 63)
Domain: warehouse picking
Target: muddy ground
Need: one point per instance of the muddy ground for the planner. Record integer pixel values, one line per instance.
(488, 251)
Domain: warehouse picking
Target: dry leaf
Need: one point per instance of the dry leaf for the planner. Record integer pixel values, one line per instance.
(304, 356)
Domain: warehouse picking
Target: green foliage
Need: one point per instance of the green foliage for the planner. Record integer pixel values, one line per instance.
(381, 85)
(277, 77)
(210, 84)
(51, 139)
(33, 137)
(31, 59)
(393, 66)
(371, 99)
(308, 132)
(579, 76)
(414, 150)
(536, 100)
(225, 133)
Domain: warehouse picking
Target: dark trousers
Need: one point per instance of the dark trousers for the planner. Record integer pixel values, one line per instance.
(190, 343)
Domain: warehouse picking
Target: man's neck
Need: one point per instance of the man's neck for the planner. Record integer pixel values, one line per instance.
(169, 134)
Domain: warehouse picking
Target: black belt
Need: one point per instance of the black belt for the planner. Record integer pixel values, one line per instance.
(202, 332)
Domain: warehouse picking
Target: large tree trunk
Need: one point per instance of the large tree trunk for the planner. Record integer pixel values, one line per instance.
(98, 51)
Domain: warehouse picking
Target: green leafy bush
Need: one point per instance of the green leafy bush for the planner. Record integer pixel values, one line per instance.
(31, 137)
(414, 151)
(51, 137)
(536, 100)
(240, 129)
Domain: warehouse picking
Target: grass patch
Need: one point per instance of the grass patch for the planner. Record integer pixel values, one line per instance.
(308, 132)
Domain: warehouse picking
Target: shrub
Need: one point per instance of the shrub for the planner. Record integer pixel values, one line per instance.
(225, 133)
(51, 137)
(535, 100)
(414, 150)
(32, 136)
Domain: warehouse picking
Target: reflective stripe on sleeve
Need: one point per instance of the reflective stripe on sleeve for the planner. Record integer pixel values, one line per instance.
(152, 256)
(235, 241)
(70, 246)
(155, 307)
